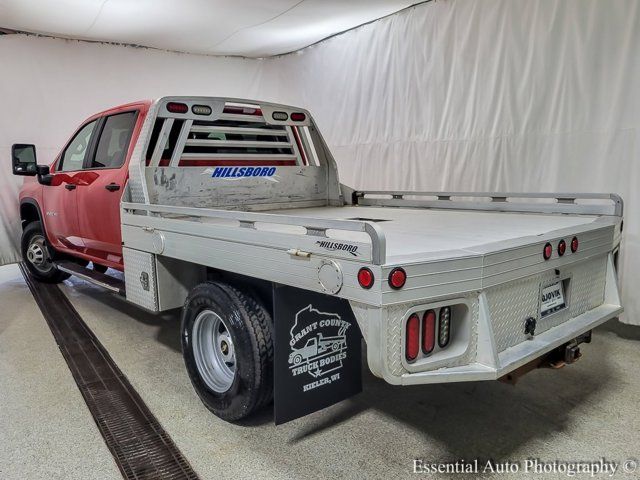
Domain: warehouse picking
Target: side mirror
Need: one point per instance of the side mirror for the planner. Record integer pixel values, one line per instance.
(24, 159)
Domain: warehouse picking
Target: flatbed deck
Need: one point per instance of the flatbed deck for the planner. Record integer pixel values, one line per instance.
(420, 233)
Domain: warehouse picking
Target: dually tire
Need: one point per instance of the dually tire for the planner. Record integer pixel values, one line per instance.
(227, 345)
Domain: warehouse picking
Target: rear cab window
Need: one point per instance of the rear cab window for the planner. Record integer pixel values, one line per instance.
(113, 145)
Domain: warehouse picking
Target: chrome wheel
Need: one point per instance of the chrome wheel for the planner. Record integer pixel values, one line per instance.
(213, 351)
(38, 255)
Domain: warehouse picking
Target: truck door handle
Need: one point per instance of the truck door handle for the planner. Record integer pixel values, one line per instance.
(112, 187)
(70, 186)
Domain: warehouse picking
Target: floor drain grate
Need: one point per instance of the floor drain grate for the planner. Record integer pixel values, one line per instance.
(137, 441)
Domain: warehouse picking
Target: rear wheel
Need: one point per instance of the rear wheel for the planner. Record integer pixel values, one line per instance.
(38, 256)
(228, 350)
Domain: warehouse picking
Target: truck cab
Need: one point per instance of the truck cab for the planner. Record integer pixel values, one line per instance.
(78, 201)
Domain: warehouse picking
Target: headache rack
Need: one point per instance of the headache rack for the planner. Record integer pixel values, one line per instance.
(226, 133)
(230, 154)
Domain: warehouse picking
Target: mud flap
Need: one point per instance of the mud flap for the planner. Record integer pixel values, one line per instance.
(317, 359)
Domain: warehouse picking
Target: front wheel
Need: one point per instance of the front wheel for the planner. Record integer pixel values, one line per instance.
(228, 350)
(37, 255)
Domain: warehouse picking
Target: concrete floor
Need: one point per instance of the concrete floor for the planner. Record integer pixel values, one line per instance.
(586, 411)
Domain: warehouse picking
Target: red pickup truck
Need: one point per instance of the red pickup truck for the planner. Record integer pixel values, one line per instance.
(233, 210)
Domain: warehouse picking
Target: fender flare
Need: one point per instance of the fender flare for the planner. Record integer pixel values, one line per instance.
(33, 202)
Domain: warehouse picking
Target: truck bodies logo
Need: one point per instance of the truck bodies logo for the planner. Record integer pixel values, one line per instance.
(337, 246)
(240, 172)
(318, 343)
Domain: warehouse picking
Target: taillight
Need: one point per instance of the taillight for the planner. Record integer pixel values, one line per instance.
(175, 107)
(444, 330)
(397, 278)
(298, 117)
(574, 244)
(412, 338)
(562, 247)
(428, 331)
(365, 278)
(547, 251)
(280, 116)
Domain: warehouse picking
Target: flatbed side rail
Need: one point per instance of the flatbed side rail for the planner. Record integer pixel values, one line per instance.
(569, 203)
(314, 226)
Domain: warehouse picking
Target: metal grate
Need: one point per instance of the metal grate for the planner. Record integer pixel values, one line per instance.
(140, 446)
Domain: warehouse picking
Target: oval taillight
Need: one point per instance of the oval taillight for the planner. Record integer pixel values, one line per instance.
(428, 331)
(412, 344)
(444, 331)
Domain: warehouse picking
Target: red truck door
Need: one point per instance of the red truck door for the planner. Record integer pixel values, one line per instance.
(100, 187)
(60, 199)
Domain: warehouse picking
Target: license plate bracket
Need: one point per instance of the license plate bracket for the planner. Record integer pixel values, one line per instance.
(552, 299)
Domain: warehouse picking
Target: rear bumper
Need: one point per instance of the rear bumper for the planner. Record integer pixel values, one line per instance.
(518, 355)
(496, 344)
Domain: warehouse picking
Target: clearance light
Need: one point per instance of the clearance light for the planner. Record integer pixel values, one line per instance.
(298, 117)
(412, 338)
(547, 251)
(574, 244)
(444, 331)
(365, 278)
(280, 116)
(175, 107)
(201, 109)
(397, 278)
(428, 331)
(562, 247)
(233, 110)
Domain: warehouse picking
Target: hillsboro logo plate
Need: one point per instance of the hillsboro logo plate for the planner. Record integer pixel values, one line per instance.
(337, 246)
(318, 342)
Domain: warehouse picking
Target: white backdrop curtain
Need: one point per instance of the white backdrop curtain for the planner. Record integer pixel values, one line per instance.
(492, 95)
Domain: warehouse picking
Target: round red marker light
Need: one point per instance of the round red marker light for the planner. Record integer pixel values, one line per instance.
(562, 247)
(574, 244)
(397, 278)
(547, 251)
(365, 278)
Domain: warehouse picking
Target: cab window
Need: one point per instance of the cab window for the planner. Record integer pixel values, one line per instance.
(114, 140)
(73, 156)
